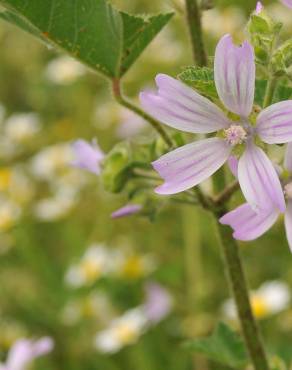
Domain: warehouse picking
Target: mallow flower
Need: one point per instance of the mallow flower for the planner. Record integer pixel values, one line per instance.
(181, 107)
(87, 156)
(24, 351)
(249, 224)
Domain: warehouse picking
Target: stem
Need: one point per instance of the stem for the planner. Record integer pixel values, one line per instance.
(239, 289)
(270, 90)
(226, 194)
(116, 88)
(195, 29)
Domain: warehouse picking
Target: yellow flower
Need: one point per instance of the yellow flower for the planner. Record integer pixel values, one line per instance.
(5, 178)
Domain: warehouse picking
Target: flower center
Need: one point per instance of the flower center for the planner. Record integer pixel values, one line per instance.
(288, 190)
(235, 134)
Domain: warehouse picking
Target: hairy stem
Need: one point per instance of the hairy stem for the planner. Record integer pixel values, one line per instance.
(116, 88)
(270, 90)
(195, 29)
(239, 290)
(226, 194)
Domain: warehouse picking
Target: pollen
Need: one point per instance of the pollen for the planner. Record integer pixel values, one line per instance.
(235, 134)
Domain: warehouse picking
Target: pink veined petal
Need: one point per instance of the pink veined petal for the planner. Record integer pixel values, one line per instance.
(287, 3)
(233, 165)
(234, 72)
(288, 223)
(288, 158)
(259, 181)
(248, 224)
(181, 107)
(274, 123)
(190, 164)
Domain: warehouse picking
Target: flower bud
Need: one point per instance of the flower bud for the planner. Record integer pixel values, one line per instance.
(282, 60)
(263, 30)
(116, 168)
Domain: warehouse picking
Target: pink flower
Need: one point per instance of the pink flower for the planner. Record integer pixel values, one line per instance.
(87, 156)
(180, 107)
(24, 351)
(127, 210)
(158, 302)
(259, 8)
(249, 225)
(287, 3)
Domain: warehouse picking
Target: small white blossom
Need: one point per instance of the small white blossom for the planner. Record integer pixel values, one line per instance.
(64, 70)
(21, 127)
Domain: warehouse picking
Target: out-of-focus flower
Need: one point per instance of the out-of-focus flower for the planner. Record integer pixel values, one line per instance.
(21, 127)
(55, 207)
(259, 8)
(127, 210)
(179, 106)
(271, 298)
(134, 266)
(95, 263)
(15, 184)
(94, 306)
(24, 351)
(287, 3)
(218, 22)
(158, 302)
(9, 213)
(122, 331)
(52, 161)
(87, 156)
(64, 70)
(129, 124)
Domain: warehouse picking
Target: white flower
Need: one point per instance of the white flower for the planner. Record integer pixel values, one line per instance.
(22, 127)
(271, 298)
(55, 207)
(64, 70)
(122, 331)
(52, 161)
(95, 263)
(9, 213)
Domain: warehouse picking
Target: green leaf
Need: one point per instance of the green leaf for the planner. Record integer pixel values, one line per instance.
(200, 78)
(92, 31)
(138, 33)
(224, 346)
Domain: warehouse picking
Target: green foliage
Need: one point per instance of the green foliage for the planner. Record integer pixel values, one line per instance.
(282, 60)
(202, 79)
(263, 31)
(92, 31)
(224, 346)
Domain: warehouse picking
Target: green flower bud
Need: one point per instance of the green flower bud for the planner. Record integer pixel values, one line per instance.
(282, 59)
(116, 168)
(262, 30)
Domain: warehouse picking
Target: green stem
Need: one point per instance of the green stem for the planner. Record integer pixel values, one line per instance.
(116, 88)
(239, 290)
(270, 90)
(195, 29)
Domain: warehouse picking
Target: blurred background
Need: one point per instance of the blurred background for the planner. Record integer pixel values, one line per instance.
(114, 294)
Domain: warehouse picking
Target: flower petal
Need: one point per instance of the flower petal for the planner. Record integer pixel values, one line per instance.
(248, 224)
(181, 107)
(288, 223)
(127, 210)
(234, 70)
(233, 165)
(287, 3)
(288, 158)
(274, 124)
(259, 181)
(190, 164)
